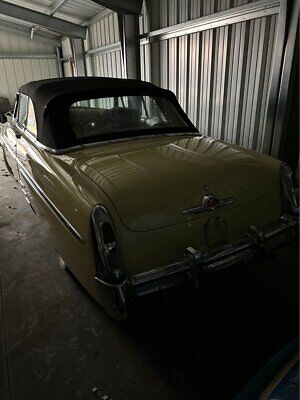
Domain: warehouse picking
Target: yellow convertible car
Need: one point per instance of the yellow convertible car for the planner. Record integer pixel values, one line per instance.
(136, 200)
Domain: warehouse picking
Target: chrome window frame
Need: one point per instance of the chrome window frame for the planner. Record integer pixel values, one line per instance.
(19, 125)
(26, 127)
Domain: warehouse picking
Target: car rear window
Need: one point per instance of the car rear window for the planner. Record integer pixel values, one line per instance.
(97, 116)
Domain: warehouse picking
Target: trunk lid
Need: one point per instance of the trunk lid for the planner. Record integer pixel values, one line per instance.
(151, 182)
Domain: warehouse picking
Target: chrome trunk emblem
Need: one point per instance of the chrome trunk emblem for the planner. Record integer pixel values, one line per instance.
(209, 203)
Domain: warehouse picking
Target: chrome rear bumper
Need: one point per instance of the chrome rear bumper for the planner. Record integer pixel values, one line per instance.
(195, 263)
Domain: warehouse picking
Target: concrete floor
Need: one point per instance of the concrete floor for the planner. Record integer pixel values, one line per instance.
(57, 343)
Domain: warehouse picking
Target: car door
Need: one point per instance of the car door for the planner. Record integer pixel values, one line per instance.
(13, 130)
(27, 153)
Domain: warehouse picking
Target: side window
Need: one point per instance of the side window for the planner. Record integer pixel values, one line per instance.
(31, 121)
(22, 110)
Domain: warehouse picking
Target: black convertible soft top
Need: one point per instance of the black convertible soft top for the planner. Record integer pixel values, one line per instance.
(43, 91)
(52, 98)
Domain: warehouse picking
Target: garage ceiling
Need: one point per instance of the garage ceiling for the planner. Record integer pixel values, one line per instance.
(63, 14)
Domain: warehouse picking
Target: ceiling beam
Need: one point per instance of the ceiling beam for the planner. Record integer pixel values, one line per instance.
(23, 31)
(126, 7)
(55, 6)
(47, 21)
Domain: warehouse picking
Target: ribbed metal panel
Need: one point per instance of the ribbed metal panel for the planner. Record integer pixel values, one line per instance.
(104, 32)
(107, 64)
(28, 25)
(171, 12)
(144, 23)
(10, 43)
(145, 63)
(220, 76)
(77, 11)
(15, 72)
(80, 9)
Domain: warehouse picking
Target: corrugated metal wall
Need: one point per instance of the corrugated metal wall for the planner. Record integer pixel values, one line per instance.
(14, 72)
(221, 76)
(104, 34)
(160, 14)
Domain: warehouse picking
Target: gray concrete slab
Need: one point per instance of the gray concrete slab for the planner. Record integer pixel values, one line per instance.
(185, 345)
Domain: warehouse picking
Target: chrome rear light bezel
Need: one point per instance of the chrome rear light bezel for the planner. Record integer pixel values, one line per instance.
(106, 253)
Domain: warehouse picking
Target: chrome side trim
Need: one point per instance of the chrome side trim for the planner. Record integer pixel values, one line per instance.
(117, 285)
(39, 191)
(7, 147)
(29, 135)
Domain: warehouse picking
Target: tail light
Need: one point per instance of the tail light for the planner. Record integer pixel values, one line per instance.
(289, 196)
(110, 263)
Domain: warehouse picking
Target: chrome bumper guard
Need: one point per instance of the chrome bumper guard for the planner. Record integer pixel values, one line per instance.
(195, 263)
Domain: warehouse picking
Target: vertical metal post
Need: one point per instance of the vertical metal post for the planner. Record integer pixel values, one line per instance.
(78, 54)
(154, 48)
(59, 64)
(87, 58)
(74, 58)
(130, 39)
(83, 57)
(285, 88)
(275, 78)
